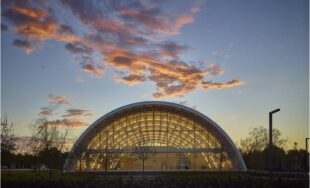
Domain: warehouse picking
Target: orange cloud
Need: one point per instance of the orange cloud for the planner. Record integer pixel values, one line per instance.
(131, 79)
(131, 37)
(38, 30)
(171, 78)
(46, 111)
(67, 123)
(215, 85)
(37, 24)
(57, 99)
(30, 11)
(93, 70)
(179, 22)
(76, 113)
(73, 117)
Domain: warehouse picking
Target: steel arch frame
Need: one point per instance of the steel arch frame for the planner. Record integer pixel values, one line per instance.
(87, 136)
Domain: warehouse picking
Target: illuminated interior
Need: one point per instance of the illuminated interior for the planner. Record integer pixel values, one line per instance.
(168, 138)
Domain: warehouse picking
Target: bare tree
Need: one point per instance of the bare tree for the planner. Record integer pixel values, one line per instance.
(7, 135)
(111, 154)
(48, 141)
(7, 141)
(258, 140)
(46, 136)
(143, 151)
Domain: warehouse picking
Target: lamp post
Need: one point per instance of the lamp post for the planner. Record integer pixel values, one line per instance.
(307, 156)
(307, 144)
(270, 139)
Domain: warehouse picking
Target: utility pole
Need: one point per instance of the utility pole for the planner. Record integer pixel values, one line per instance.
(270, 140)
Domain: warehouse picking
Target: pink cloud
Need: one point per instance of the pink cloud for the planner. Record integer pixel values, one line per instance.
(58, 99)
(131, 37)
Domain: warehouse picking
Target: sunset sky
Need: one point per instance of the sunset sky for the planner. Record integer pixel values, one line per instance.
(73, 61)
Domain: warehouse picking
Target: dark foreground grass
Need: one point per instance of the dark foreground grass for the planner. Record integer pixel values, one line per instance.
(21, 175)
(24, 175)
(31, 178)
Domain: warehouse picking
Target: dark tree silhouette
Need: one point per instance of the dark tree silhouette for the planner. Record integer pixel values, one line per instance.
(7, 141)
(258, 140)
(48, 141)
(7, 135)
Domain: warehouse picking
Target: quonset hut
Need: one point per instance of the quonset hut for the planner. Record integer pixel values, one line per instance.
(154, 136)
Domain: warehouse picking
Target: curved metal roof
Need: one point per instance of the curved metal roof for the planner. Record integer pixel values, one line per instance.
(190, 113)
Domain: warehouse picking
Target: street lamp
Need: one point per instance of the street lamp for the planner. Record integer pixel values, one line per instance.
(307, 144)
(270, 139)
(307, 156)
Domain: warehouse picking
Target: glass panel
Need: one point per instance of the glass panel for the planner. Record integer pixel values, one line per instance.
(160, 130)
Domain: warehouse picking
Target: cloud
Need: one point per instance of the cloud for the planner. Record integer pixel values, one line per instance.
(131, 79)
(172, 49)
(71, 117)
(46, 111)
(217, 85)
(67, 123)
(54, 103)
(171, 78)
(29, 11)
(131, 37)
(33, 20)
(54, 99)
(66, 29)
(84, 54)
(25, 44)
(91, 69)
(185, 103)
(78, 48)
(76, 113)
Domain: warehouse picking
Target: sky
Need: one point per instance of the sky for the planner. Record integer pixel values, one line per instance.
(73, 61)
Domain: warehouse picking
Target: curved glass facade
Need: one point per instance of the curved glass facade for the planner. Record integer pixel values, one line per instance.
(151, 139)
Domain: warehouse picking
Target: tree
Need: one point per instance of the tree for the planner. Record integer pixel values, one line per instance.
(7, 135)
(46, 136)
(48, 142)
(258, 140)
(296, 159)
(254, 149)
(7, 141)
(110, 155)
(143, 151)
(49, 157)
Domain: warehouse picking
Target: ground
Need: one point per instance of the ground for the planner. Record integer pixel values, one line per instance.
(31, 178)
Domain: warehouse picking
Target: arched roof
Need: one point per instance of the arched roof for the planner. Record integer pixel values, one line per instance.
(209, 125)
